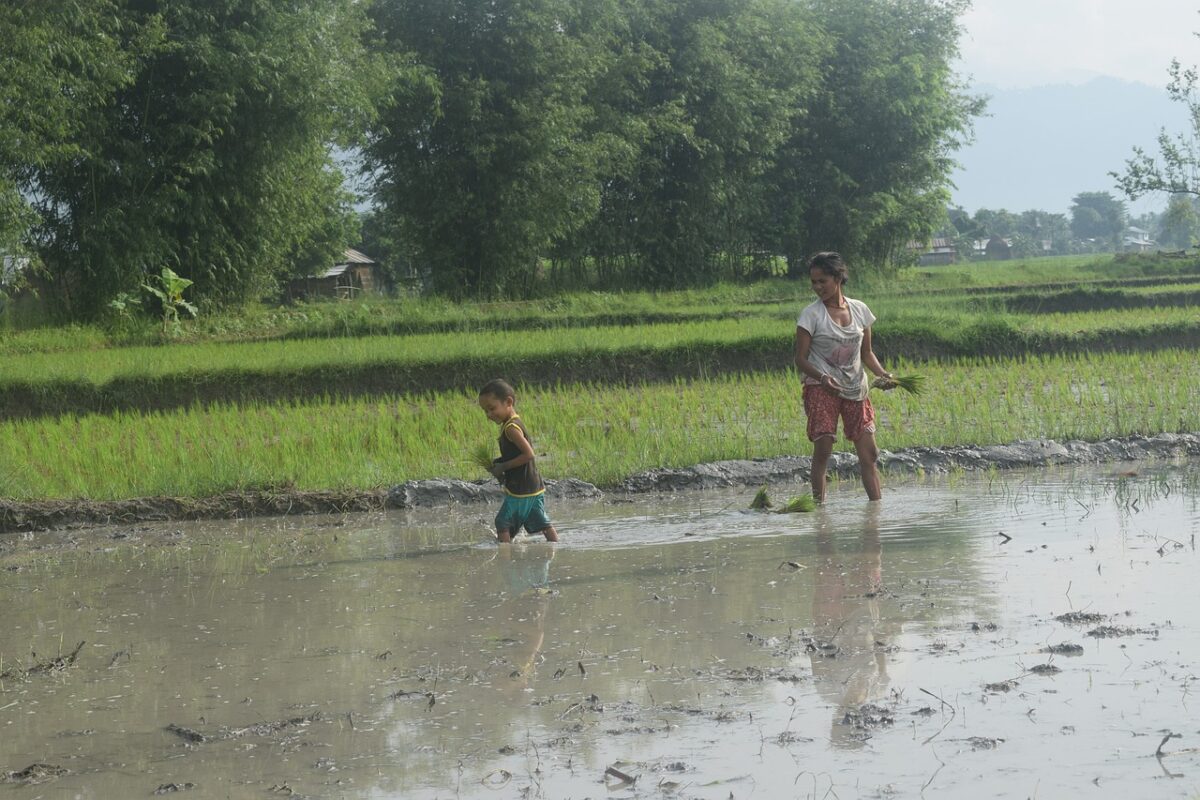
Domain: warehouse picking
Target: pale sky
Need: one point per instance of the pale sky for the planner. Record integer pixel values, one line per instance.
(1015, 44)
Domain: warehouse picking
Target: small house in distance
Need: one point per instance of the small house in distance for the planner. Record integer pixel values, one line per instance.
(1137, 240)
(934, 251)
(355, 274)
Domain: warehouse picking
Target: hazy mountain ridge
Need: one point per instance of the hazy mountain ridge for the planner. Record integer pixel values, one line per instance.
(1039, 147)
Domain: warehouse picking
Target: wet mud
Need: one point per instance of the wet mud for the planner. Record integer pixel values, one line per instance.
(16, 516)
(1027, 633)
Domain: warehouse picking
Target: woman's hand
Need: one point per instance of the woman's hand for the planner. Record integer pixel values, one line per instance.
(829, 383)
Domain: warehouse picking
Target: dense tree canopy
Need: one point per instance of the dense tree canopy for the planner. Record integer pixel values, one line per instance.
(639, 142)
(208, 151)
(59, 63)
(1099, 216)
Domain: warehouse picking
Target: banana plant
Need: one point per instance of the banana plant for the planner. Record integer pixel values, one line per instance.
(169, 291)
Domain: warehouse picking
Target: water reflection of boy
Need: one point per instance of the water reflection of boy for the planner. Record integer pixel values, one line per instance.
(525, 567)
(848, 667)
(525, 571)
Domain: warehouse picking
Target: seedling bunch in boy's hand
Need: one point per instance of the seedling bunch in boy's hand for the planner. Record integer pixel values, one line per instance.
(482, 456)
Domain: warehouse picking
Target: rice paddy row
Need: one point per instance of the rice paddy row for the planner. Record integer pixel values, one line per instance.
(596, 432)
(150, 378)
(1060, 283)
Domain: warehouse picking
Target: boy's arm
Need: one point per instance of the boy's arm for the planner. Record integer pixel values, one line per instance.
(513, 434)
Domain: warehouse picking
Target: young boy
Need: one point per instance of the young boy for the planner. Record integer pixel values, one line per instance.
(524, 503)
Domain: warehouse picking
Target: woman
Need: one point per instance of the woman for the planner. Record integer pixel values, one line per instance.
(833, 344)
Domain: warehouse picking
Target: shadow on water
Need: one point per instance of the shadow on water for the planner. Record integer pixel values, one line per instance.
(1029, 626)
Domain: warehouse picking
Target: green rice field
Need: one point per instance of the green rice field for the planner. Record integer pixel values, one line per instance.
(705, 377)
(596, 432)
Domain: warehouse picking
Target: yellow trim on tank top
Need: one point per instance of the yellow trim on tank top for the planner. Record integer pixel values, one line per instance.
(535, 494)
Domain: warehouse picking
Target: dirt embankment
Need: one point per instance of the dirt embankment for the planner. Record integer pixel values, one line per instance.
(60, 514)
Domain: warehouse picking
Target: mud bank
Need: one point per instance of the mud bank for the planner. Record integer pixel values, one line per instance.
(59, 514)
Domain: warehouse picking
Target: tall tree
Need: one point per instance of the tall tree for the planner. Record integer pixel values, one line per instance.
(486, 153)
(1180, 223)
(868, 166)
(722, 88)
(214, 160)
(59, 63)
(1098, 216)
(1177, 169)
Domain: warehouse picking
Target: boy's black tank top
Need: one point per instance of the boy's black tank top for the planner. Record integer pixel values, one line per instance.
(522, 481)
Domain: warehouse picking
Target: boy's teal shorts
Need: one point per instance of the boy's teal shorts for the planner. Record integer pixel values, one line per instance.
(527, 511)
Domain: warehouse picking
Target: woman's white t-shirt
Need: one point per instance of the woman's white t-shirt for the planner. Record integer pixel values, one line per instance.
(836, 349)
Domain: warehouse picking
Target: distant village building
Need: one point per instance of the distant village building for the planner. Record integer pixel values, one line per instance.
(354, 275)
(934, 251)
(1137, 240)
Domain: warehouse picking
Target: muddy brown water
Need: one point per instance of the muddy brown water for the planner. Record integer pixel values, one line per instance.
(900, 649)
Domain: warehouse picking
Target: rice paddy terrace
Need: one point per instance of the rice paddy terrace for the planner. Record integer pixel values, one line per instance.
(355, 396)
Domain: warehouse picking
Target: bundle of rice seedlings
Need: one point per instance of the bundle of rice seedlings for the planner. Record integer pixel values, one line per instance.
(909, 383)
(760, 502)
(801, 504)
(482, 456)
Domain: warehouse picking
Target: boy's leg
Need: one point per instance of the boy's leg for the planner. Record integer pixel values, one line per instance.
(538, 521)
(505, 524)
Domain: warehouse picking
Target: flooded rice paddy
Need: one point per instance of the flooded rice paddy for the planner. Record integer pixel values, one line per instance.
(1024, 634)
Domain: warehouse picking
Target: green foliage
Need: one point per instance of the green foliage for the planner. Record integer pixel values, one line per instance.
(168, 288)
(1177, 169)
(1180, 225)
(60, 63)
(204, 450)
(716, 90)
(212, 155)
(1098, 216)
(867, 170)
(486, 152)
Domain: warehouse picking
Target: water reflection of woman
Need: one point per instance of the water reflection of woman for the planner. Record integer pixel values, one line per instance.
(849, 664)
(525, 574)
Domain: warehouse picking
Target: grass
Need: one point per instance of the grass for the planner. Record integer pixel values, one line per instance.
(291, 404)
(370, 317)
(592, 431)
(164, 377)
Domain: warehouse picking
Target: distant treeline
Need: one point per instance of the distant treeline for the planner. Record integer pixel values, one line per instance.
(652, 143)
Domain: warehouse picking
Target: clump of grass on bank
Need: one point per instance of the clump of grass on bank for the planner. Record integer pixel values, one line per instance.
(365, 444)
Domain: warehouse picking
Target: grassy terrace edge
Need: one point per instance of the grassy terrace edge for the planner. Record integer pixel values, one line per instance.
(984, 338)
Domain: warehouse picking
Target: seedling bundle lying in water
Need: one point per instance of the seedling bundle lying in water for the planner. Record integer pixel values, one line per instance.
(795, 505)
(909, 383)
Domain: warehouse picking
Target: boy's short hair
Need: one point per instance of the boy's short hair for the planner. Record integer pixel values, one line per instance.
(831, 264)
(498, 388)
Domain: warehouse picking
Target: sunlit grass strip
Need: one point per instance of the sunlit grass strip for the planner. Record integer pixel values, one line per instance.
(595, 432)
(288, 358)
(408, 316)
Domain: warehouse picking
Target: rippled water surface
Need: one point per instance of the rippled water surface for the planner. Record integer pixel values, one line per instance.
(899, 649)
